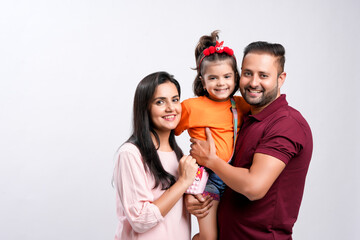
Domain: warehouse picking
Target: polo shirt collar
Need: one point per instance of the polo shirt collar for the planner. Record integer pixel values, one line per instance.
(278, 103)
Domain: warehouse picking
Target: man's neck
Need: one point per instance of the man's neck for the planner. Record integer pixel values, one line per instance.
(256, 110)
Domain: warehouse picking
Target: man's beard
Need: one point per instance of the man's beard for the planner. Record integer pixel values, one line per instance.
(263, 100)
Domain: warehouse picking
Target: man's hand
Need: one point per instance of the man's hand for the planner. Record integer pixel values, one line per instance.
(203, 151)
(198, 205)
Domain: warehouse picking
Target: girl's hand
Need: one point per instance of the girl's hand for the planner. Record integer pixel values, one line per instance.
(187, 169)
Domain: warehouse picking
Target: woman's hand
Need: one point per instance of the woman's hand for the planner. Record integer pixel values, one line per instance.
(187, 172)
(187, 169)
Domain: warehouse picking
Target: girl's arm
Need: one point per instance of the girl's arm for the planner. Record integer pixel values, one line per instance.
(187, 173)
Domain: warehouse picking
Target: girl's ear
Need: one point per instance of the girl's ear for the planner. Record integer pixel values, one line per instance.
(202, 81)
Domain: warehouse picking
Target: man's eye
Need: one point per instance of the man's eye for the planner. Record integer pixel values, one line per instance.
(247, 74)
(264, 75)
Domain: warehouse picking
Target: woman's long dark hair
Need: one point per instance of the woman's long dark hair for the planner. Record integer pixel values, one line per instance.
(143, 127)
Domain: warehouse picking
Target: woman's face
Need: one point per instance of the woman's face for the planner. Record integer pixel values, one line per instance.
(165, 107)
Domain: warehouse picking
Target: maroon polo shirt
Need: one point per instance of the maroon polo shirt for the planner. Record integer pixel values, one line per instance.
(282, 132)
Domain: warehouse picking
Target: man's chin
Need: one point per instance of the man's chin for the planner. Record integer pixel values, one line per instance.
(253, 101)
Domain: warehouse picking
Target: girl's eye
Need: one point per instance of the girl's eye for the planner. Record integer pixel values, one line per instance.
(159, 102)
(227, 77)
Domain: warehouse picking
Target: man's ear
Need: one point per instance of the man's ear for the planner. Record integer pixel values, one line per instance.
(281, 79)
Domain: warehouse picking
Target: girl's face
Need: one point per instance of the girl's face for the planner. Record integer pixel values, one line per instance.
(165, 107)
(219, 80)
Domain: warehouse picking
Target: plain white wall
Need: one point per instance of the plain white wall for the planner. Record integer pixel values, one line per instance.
(68, 71)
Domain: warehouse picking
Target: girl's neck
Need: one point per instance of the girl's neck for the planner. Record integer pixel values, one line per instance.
(164, 141)
(216, 100)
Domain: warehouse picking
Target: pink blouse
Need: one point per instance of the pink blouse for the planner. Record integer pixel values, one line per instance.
(138, 217)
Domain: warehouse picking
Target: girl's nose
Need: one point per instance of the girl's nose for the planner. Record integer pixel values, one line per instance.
(220, 82)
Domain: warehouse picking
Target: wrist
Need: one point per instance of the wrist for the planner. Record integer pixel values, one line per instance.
(183, 182)
(211, 162)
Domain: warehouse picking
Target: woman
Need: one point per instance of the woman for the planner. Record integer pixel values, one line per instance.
(151, 174)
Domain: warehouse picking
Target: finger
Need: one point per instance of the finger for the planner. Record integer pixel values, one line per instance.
(182, 159)
(200, 197)
(209, 137)
(208, 202)
(194, 140)
(192, 153)
(200, 213)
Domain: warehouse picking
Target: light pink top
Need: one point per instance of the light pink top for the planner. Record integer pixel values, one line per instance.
(138, 217)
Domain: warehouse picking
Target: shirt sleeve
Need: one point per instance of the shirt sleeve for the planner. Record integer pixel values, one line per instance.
(283, 140)
(184, 120)
(134, 191)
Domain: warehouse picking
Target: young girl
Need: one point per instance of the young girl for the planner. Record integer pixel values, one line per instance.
(151, 174)
(215, 84)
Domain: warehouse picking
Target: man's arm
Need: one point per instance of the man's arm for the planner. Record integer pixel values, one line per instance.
(253, 183)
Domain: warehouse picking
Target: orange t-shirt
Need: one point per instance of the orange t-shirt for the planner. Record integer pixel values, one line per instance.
(198, 113)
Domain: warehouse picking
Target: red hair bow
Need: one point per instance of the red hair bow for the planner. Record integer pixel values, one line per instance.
(219, 48)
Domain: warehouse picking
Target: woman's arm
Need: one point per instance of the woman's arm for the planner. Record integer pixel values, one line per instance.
(187, 172)
(135, 192)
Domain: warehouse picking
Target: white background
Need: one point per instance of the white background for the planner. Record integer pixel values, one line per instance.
(68, 71)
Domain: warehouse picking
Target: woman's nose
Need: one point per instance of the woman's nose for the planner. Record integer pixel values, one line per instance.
(170, 107)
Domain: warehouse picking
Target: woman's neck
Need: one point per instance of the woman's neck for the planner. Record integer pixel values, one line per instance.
(163, 141)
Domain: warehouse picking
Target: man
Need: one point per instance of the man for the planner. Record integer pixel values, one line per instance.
(272, 155)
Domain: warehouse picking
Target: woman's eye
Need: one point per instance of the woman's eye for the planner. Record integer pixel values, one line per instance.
(159, 102)
(176, 100)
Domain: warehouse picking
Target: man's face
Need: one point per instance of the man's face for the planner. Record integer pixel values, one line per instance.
(259, 80)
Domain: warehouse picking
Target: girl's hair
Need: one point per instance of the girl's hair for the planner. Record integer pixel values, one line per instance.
(143, 127)
(205, 42)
